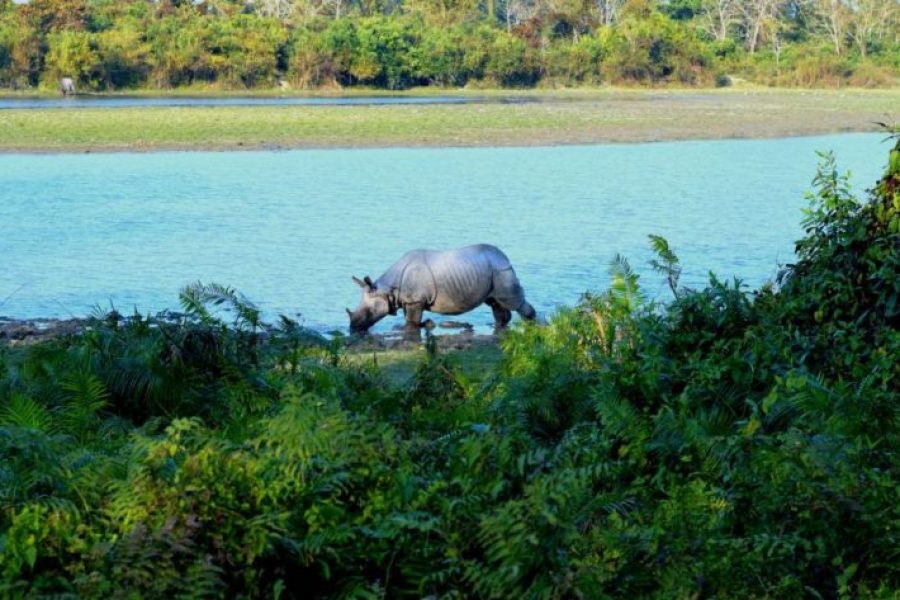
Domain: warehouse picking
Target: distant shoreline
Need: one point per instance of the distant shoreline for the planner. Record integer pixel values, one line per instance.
(558, 117)
(740, 87)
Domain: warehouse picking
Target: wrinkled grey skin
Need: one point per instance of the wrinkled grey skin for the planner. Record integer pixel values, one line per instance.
(445, 282)
(66, 86)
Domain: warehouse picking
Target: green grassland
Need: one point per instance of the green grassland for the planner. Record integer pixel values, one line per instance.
(572, 117)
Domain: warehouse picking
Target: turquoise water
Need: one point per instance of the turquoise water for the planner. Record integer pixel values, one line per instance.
(289, 228)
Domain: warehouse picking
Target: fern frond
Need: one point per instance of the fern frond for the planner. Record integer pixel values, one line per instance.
(669, 265)
(197, 297)
(192, 302)
(85, 396)
(661, 246)
(625, 290)
(22, 411)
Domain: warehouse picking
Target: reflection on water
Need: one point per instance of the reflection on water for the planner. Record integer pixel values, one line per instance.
(289, 229)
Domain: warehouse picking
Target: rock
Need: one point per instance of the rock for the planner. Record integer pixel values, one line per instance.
(17, 332)
(456, 325)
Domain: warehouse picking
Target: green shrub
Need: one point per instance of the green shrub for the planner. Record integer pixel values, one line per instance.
(71, 54)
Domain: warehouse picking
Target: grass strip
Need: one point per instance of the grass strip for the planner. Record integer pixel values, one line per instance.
(554, 118)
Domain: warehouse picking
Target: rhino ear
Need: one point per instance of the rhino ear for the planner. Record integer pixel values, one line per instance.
(368, 281)
(359, 282)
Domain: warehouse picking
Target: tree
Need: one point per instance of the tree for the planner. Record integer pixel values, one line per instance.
(278, 9)
(871, 21)
(834, 20)
(568, 17)
(519, 11)
(654, 48)
(509, 62)
(56, 15)
(179, 49)
(757, 15)
(681, 10)
(720, 17)
(608, 10)
(444, 11)
(20, 52)
(71, 54)
(123, 57)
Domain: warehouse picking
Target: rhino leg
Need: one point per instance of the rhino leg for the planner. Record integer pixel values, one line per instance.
(413, 312)
(502, 315)
(508, 294)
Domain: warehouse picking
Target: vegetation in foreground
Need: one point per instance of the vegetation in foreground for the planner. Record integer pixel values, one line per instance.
(726, 444)
(395, 44)
(577, 116)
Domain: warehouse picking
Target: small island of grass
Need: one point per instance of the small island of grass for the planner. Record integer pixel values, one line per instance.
(550, 117)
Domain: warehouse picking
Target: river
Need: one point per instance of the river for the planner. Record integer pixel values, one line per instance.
(290, 228)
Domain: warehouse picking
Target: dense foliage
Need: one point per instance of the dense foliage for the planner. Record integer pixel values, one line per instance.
(725, 444)
(114, 44)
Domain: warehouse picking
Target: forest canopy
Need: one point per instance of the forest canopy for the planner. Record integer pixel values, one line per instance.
(396, 44)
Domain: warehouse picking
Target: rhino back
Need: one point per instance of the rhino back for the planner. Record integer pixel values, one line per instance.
(393, 277)
(409, 279)
(447, 282)
(463, 277)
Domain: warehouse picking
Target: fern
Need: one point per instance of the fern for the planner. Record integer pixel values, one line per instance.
(625, 289)
(86, 396)
(667, 264)
(21, 411)
(197, 297)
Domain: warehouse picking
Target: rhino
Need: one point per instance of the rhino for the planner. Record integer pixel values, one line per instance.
(66, 86)
(448, 282)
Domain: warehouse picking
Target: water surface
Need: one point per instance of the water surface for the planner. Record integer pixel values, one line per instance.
(289, 228)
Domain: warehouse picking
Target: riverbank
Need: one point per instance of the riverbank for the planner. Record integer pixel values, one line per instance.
(449, 336)
(550, 118)
(474, 355)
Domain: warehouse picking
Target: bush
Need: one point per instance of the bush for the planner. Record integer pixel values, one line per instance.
(655, 49)
(71, 54)
(575, 62)
(124, 58)
(510, 62)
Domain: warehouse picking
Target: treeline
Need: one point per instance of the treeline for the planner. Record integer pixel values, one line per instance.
(395, 44)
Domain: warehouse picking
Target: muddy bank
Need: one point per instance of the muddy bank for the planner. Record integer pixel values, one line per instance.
(448, 339)
(16, 332)
(451, 335)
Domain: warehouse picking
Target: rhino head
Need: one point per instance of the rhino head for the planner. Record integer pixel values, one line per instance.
(374, 305)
